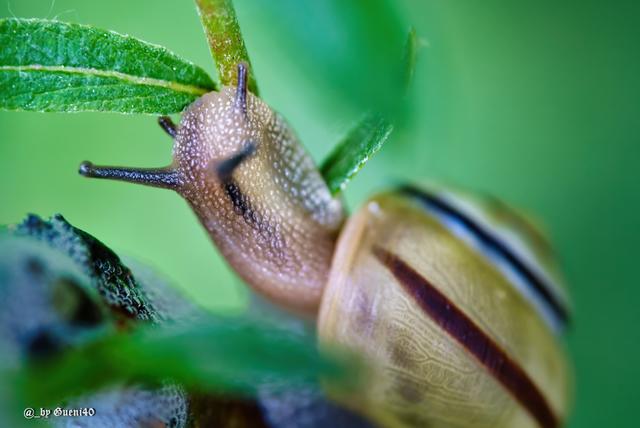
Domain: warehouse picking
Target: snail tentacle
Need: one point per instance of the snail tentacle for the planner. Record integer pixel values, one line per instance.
(241, 90)
(166, 178)
(168, 126)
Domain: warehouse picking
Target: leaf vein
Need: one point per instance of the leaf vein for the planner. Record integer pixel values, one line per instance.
(136, 80)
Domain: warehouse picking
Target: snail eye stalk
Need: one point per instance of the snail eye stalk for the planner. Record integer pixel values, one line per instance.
(241, 91)
(166, 178)
(168, 126)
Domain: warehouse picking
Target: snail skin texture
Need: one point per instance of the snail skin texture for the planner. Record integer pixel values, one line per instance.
(255, 190)
(453, 302)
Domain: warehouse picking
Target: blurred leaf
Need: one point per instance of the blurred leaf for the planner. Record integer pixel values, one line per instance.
(226, 356)
(349, 49)
(55, 66)
(368, 136)
(410, 56)
(354, 151)
(225, 40)
(217, 354)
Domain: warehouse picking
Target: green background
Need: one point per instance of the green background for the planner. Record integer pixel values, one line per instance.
(536, 103)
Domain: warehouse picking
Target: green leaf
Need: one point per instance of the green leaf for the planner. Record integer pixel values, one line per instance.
(349, 50)
(230, 355)
(55, 66)
(410, 56)
(204, 353)
(362, 142)
(368, 136)
(225, 40)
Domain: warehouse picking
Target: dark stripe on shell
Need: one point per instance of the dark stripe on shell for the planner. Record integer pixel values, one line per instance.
(537, 285)
(457, 324)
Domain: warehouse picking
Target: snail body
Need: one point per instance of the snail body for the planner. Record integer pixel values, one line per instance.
(254, 189)
(456, 317)
(264, 224)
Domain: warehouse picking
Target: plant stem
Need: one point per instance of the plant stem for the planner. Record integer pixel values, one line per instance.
(225, 40)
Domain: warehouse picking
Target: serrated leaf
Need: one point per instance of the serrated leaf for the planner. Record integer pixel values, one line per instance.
(225, 40)
(55, 66)
(350, 155)
(230, 355)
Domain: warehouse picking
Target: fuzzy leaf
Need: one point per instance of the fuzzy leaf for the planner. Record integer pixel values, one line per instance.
(225, 40)
(55, 66)
(362, 142)
(225, 355)
(218, 354)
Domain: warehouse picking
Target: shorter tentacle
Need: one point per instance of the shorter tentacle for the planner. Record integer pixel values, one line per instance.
(241, 90)
(168, 126)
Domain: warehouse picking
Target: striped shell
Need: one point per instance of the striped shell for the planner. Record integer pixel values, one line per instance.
(434, 299)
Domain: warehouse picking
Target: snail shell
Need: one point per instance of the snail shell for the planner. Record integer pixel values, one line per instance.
(454, 306)
(451, 341)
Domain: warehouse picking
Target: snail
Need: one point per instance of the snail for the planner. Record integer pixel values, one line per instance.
(454, 304)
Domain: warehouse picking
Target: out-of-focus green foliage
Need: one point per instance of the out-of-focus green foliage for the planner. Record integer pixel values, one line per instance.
(342, 46)
(54, 66)
(411, 48)
(237, 355)
(350, 155)
(225, 40)
(368, 136)
(217, 354)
